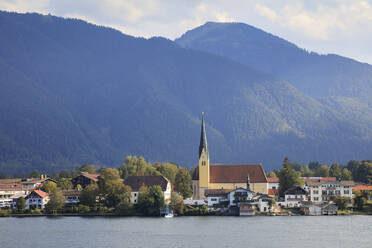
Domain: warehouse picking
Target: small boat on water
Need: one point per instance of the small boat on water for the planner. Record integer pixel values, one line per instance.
(168, 215)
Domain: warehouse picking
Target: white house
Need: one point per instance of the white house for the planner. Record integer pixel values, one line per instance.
(294, 196)
(72, 196)
(323, 191)
(263, 203)
(136, 182)
(236, 196)
(217, 197)
(37, 199)
(8, 191)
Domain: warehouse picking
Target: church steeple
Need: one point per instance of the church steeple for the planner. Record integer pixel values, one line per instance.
(203, 157)
(203, 139)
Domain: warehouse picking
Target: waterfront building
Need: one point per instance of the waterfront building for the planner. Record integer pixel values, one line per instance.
(37, 199)
(217, 176)
(72, 196)
(84, 179)
(136, 182)
(8, 191)
(294, 196)
(322, 191)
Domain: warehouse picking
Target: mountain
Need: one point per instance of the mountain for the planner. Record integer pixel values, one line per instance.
(74, 93)
(314, 74)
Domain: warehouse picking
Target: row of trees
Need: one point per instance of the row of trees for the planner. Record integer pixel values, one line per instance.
(358, 171)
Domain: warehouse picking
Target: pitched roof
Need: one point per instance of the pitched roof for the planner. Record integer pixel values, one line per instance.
(216, 192)
(362, 188)
(273, 179)
(295, 190)
(317, 183)
(234, 174)
(71, 192)
(11, 187)
(136, 182)
(93, 177)
(272, 192)
(319, 179)
(40, 193)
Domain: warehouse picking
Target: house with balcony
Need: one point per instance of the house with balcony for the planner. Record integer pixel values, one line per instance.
(37, 199)
(294, 196)
(324, 191)
(8, 191)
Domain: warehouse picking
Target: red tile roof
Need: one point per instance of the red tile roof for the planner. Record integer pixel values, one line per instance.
(273, 179)
(319, 179)
(362, 187)
(41, 193)
(11, 187)
(273, 192)
(234, 174)
(93, 177)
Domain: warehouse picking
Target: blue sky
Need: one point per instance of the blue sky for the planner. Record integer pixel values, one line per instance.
(326, 26)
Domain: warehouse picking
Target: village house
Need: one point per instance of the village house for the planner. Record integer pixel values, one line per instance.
(323, 191)
(8, 191)
(72, 196)
(219, 176)
(363, 188)
(294, 196)
(84, 179)
(136, 182)
(37, 199)
(217, 198)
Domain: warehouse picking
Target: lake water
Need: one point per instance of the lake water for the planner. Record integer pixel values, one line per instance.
(271, 232)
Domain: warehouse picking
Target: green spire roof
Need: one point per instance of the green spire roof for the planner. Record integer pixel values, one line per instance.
(203, 138)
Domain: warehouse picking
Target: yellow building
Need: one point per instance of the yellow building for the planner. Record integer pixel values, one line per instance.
(208, 176)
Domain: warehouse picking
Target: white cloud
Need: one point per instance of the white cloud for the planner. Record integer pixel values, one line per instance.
(266, 12)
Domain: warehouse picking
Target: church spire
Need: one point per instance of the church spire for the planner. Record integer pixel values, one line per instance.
(203, 138)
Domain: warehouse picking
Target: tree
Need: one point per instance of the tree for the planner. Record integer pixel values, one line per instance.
(341, 202)
(346, 174)
(150, 200)
(88, 168)
(134, 166)
(336, 171)
(322, 171)
(272, 174)
(360, 200)
(89, 195)
(57, 201)
(35, 174)
(176, 203)
(313, 165)
(124, 207)
(183, 183)
(49, 186)
(65, 184)
(168, 170)
(65, 174)
(288, 177)
(21, 204)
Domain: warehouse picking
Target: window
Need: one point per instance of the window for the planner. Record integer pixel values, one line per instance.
(135, 201)
(213, 199)
(316, 192)
(337, 192)
(203, 163)
(346, 192)
(316, 198)
(135, 194)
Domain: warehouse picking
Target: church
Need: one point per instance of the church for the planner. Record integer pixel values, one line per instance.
(226, 177)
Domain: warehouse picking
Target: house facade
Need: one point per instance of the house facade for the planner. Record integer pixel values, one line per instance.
(8, 191)
(136, 182)
(72, 196)
(323, 191)
(207, 176)
(294, 196)
(84, 179)
(37, 199)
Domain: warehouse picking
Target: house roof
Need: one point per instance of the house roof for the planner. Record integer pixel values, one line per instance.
(319, 179)
(273, 179)
(71, 192)
(295, 190)
(317, 183)
(93, 177)
(10, 180)
(40, 193)
(136, 182)
(11, 187)
(216, 192)
(362, 188)
(234, 174)
(272, 192)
